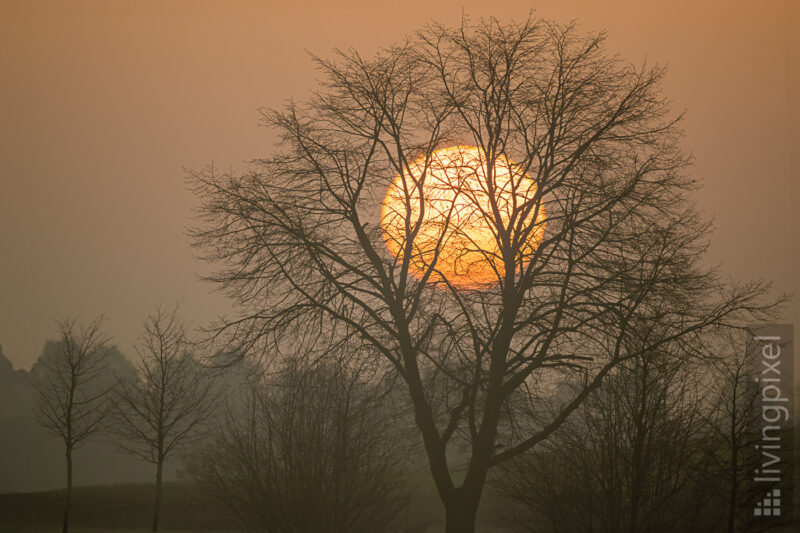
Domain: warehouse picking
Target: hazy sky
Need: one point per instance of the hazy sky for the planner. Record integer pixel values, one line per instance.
(102, 105)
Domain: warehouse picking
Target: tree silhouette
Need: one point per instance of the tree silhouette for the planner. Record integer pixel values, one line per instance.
(629, 459)
(592, 235)
(309, 449)
(734, 432)
(73, 379)
(164, 405)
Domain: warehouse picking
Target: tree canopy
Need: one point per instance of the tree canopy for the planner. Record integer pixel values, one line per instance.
(596, 174)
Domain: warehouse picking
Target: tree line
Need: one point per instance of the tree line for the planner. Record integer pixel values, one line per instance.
(306, 446)
(665, 445)
(150, 411)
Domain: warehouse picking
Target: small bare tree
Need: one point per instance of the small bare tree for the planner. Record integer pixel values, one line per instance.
(165, 405)
(627, 460)
(73, 380)
(731, 422)
(313, 448)
(734, 422)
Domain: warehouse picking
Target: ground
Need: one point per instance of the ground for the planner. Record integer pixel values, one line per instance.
(128, 508)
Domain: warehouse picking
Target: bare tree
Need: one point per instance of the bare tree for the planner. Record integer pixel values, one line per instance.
(164, 406)
(73, 380)
(309, 449)
(564, 160)
(733, 424)
(628, 460)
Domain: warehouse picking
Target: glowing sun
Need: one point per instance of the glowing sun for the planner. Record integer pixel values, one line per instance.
(457, 217)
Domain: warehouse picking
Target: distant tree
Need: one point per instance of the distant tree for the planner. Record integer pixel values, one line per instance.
(731, 422)
(310, 449)
(73, 379)
(522, 154)
(164, 406)
(628, 460)
(733, 428)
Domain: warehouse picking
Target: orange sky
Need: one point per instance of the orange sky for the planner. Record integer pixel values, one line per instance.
(102, 104)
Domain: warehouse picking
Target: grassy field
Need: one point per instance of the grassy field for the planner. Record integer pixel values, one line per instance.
(116, 507)
(57, 529)
(128, 509)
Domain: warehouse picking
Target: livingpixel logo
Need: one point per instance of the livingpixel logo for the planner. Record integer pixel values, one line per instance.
(769, 506)
(771, 361)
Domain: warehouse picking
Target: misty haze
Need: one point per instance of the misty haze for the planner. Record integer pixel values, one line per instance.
(363, 268)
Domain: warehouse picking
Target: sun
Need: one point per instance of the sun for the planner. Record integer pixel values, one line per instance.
(459, 221)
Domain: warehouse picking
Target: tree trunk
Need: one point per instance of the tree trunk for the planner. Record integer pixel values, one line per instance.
(159, 475)
(733, 492)
(734, 442)
(460, 513)
(65, 524)
(638, 465)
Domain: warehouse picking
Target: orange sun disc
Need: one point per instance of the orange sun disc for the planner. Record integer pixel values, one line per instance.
(456, 218)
